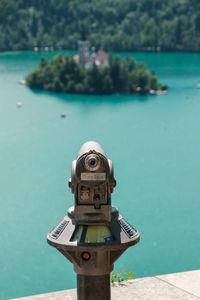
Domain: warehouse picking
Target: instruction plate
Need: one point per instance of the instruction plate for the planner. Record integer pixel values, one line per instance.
(93, 176)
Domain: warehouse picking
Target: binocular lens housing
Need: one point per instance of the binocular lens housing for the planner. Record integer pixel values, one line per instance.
(92, 162)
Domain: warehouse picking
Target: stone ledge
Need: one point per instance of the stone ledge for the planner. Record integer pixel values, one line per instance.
(183, 286)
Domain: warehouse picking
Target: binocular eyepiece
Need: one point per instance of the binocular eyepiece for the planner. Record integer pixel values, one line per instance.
(92, 180)
(92, 162)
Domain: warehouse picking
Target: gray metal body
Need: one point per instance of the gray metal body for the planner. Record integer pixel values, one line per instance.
(93, 234)
(72, 244)
(93, 287)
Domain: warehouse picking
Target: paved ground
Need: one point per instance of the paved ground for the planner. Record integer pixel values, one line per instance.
(178, 286)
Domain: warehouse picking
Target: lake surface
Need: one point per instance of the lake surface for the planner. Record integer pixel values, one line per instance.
(154, 142)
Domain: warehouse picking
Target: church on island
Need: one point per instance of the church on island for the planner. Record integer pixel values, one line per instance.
(87, 58)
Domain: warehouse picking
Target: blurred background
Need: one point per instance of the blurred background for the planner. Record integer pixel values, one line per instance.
(153, 140)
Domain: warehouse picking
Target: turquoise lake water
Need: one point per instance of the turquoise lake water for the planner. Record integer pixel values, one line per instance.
(154, 142)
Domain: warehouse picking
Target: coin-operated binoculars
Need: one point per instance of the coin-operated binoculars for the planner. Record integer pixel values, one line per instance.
(93, 234)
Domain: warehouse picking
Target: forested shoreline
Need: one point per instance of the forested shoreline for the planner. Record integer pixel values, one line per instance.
(115, 25)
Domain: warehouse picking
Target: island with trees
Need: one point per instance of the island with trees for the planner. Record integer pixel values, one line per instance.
(94, 73)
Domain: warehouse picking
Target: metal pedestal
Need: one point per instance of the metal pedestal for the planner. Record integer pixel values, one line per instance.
(93, 287)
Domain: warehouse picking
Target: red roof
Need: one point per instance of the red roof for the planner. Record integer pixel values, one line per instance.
(102, 55)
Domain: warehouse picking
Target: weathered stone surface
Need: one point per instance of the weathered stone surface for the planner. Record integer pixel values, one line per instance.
(187, 281)
(64, 295)
(179, 286)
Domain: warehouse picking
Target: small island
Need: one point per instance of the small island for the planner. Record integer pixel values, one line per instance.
(94, 73)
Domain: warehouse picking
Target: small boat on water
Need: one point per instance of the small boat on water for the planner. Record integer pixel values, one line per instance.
(19, 104)
(198, 85)
(152, 92)
(22, 82)
(63, 115)
(157, 92)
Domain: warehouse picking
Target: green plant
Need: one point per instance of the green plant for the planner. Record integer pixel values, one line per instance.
(121, 276)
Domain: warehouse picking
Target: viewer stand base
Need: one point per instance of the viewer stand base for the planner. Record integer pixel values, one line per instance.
(93, 287)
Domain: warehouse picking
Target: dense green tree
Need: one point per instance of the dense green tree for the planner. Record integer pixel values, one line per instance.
(146, 25)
